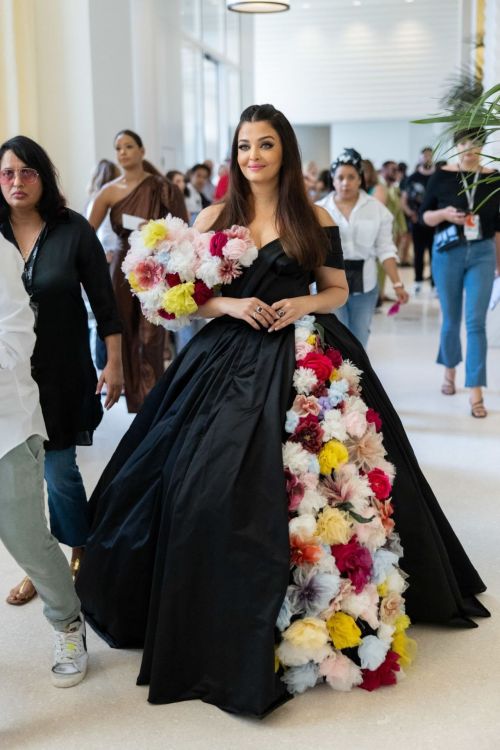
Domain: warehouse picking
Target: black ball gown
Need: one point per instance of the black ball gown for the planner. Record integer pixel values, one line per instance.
(189, 554)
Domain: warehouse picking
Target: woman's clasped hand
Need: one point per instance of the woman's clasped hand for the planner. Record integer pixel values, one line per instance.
(259, 315)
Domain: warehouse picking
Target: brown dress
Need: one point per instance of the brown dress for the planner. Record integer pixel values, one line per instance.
(143, 343)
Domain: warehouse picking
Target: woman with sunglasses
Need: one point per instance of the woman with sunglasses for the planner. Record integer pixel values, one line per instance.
(61, 253)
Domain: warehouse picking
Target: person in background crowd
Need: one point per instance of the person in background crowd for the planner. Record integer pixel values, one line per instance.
(401, 174)
(405, 243)
(195, 200)
(324, 184)
(105, 172)
(136, 196)
(366, 232)
(373, 184)
(388, 177)
(179, 180)
(223, 182)
(209, 189)
(464, 209)
(411, 202)
(61, 255)
(440, 164)
(23, 527)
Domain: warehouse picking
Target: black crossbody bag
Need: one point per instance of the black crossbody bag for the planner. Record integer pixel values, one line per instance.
(448, 238)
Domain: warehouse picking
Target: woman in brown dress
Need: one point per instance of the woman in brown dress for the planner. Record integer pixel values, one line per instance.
(134, 197)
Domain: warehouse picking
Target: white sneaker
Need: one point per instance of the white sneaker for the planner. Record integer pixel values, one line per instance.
(417, 287)
(70, 654)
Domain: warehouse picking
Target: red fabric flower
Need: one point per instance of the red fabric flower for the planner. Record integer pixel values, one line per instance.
(384, 675)
(164, 314)
(373, 417)
(202, 293)
(173, 279)
(295, 490)
(320, 390)
(318, 363)
(334, 356)
(355, 561)
(217, 242)
(304, 553)
(309, 433)
(380, 484)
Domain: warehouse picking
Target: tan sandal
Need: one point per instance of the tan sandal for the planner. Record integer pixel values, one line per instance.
(478, 410)
(448, 387)
(22, 595)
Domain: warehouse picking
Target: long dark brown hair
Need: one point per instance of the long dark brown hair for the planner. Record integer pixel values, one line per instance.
(300, 232)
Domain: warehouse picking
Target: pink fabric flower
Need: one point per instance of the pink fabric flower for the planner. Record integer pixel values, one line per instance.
(229, 270)
(302, 348)
(235, 248)
(148, 273)
(295, 490)
(354, 561)
(240, 233)
(355, 423)
(304, 405)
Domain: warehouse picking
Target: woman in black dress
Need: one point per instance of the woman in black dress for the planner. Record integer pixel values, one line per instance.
(189, 556)
(61, 254)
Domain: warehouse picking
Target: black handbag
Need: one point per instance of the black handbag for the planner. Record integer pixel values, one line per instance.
(354, 274)
(448, 238)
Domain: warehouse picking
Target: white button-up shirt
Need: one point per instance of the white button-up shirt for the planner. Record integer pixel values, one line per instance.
(366, 234)
(20, 412)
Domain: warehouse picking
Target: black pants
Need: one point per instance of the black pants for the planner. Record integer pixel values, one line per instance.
(422, 240)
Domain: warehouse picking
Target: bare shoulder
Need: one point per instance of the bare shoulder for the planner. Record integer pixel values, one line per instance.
(323, 216)
(206, 218)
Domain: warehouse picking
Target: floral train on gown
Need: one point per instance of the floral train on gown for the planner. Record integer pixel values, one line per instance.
(343, 619)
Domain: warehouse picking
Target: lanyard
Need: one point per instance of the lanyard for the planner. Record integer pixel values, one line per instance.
(470, 191)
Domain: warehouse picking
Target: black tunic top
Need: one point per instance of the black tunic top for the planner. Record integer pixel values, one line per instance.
(445, 188)
(68, 256)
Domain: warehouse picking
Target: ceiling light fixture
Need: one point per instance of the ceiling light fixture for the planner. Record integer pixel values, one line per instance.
(258, 6)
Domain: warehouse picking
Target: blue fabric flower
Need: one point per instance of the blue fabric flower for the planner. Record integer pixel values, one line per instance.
(312, 592)
(372, 652)
(299, 679)
(338, 391)
(285, 615)
(383, 561)
(292, 420)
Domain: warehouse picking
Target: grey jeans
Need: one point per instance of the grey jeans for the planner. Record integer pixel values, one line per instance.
(24, 531)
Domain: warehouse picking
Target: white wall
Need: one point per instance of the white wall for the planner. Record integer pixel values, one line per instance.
(314, 142)
(332, 61)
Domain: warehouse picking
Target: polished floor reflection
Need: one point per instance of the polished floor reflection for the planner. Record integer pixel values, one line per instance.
(450, 699)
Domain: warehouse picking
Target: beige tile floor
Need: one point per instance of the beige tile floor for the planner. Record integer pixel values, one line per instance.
(450, 700)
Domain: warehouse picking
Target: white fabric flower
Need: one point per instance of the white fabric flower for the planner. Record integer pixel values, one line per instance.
(304, 380)
(333, 426)
(312, 502)
(303, 526)
(296, 458)
(209, 272)
(295, 656)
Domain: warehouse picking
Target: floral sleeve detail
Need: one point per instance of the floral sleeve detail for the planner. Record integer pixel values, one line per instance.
(343, 620)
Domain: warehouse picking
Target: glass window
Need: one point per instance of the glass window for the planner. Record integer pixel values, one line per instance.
(211, 109)
(191, 101)
(191, 17)
(233, 37)
(233, 97)
(213, 24)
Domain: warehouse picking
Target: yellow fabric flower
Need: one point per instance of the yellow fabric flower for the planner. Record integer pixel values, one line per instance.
(276, 660)
(332, 455)
(343, 630)
(401, 623)
(311, 339)
(334, 526)
(405, 648)
(154, 232)
(179, 300)
(310, 632)
(335, 375)
(383, 589)
(132, 280)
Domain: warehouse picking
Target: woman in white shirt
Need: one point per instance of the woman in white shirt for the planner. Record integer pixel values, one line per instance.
(366, 233)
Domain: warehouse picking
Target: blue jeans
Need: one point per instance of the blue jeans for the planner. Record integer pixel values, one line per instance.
(68, 510)
(357, 314)
(468, 267)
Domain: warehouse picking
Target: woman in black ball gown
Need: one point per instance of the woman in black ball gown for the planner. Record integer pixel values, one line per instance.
(189, 556)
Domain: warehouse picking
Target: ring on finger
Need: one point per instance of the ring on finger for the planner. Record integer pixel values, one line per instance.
(259, 309)
(281, 313)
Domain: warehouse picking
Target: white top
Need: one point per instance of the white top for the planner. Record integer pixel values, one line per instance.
(20, 412)
(108, 239)
(193, 201)
(366, 235)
